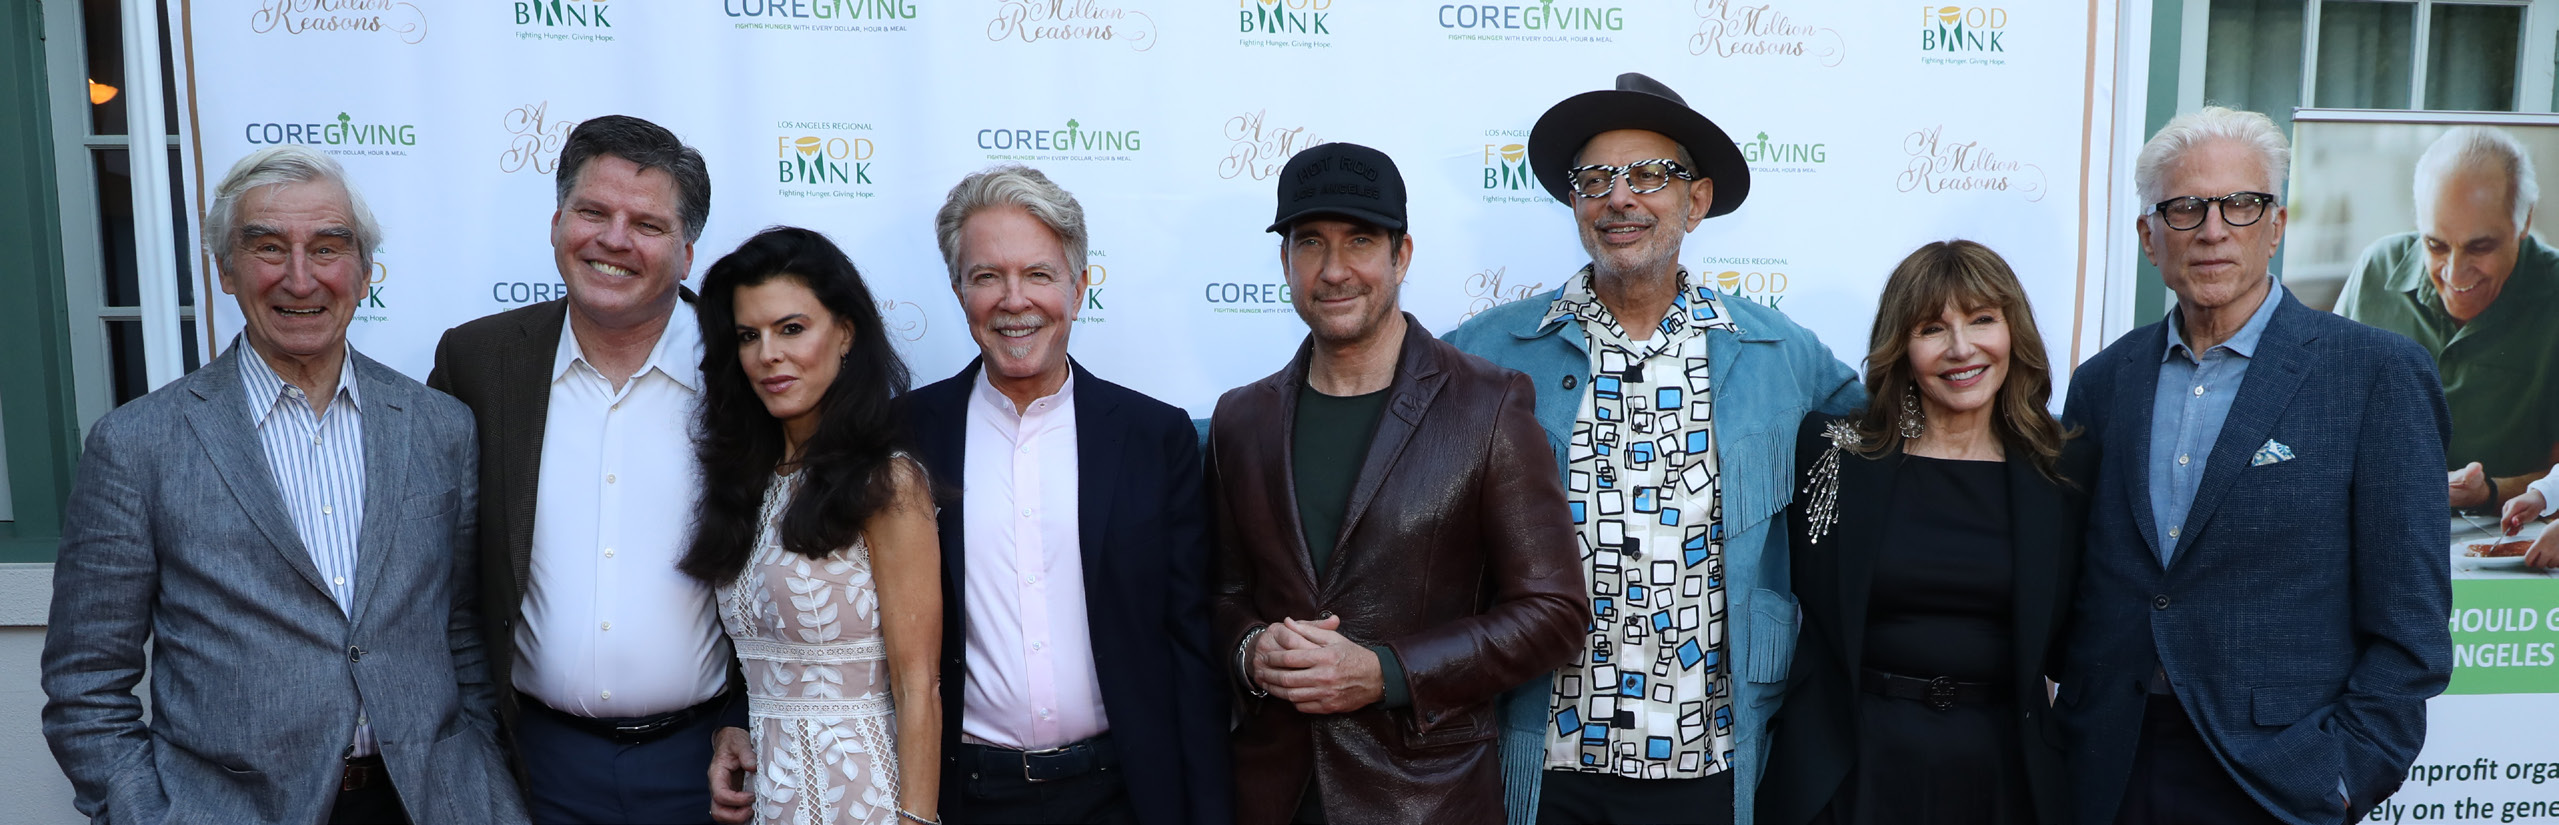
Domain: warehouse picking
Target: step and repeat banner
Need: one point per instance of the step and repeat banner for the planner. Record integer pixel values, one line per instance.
(1871, 128)
(2423, 225)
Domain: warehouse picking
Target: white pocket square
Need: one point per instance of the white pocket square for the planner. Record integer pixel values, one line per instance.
(2272, 452)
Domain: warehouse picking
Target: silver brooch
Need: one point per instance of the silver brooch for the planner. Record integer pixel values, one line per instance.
(1823, 482)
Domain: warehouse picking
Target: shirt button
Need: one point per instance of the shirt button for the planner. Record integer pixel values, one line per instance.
(608, 625)
(608, 478)
(2199, 391)
(1026, 513)
(339, 580)
(327, 510)
(607, 694)
(608, 552)
(1031, 579)
(1044, 713)
(2160, 603)
(1039, 645)
(2172, 532)
(315, 439)
(2181, 461)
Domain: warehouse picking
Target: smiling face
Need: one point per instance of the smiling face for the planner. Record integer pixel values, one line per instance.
(791, 348)
(1344, 276)
(1635, 235)
(1020, 298)
(619, 244)
(2471, 240)
(1959, 359)
(2215, 264)
(295, 269)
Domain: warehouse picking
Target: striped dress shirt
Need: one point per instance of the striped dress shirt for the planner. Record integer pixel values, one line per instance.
(318, 465)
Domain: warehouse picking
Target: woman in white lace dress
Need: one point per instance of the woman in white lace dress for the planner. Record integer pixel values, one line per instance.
(819, 537)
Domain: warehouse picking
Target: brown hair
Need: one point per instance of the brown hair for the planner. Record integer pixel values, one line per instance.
(1968, 275)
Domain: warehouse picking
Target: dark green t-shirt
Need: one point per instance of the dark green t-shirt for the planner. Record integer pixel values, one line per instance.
(2500, 371)
(1331, 441)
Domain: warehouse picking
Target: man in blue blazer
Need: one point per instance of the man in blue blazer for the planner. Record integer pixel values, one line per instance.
(286, 532)
(1077, 683)
(2260, 618)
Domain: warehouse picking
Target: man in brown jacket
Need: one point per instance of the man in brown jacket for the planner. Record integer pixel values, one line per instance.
(1394, 548)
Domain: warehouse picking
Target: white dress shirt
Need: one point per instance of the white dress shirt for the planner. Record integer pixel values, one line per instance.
(611, 629)
(317, 462)
(1031, 682)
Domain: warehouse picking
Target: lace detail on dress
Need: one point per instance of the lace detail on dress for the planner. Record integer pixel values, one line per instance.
(807, 632)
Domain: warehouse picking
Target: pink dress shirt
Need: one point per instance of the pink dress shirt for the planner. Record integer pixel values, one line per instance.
(1031, 682)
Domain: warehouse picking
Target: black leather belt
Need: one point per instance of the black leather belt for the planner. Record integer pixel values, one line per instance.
(1940, 693)
(1053, 764)
(362, 772)
(636, 730)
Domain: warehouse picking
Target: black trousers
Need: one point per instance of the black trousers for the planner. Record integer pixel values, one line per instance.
(1576, 798)
(2176, 780)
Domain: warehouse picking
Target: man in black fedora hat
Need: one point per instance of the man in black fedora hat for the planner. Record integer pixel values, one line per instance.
(1393, 550)
(1675, 411)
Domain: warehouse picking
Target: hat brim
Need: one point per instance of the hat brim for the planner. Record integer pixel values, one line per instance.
(1561, 132)
(1371, 216)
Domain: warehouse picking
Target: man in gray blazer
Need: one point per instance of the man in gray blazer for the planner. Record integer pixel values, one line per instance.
(289, 529)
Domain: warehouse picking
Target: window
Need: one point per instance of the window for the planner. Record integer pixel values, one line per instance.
(2446, 55)
(93, 157)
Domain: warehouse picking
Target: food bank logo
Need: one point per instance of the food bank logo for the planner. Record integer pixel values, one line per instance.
(1283, 16)
(1260, 147)
(370, 307)
(1096, 273)
(534, 138)
(392, 18)
(1038, 21)
(344, 136)
(825, 165)
(580, 20)
(1765, 30)
(1074, 141)
(1962, 31)
(1939, 165)
(1762, 280)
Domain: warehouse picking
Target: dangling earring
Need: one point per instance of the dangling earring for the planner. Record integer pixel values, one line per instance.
(1914, 422)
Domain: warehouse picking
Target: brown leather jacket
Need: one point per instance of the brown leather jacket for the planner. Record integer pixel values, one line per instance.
(1457, 553)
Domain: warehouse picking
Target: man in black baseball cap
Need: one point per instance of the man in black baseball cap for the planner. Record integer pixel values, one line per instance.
(1393, 548)
(1679, 407)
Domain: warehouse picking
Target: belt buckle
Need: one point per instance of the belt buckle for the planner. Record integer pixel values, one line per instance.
(1026, 760)
(355, 778)
(1941, 693)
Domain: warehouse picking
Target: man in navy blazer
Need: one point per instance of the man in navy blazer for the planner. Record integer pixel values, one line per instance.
(2260, 618)
(1077, 680)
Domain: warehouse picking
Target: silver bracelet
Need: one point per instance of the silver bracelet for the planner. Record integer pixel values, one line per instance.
(905, 814)
(1244, 662)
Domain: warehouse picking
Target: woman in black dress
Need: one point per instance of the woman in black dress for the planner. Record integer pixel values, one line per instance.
(1935, 538)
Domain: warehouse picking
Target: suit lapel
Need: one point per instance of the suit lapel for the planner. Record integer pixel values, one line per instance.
(2274, 373)
(2129, 437)
(945, 446)
(386, 483)
(1098, 438)
(1292, 382)
(220, 419)
(525, 405)
(1417, 382)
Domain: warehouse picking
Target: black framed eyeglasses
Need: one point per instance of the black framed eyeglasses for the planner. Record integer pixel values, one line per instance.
(1642, 177)
(2237, 209)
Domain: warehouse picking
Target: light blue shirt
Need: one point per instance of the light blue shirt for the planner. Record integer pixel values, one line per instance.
(2193, 400)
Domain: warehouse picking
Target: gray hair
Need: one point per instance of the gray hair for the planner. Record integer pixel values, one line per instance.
(2251, 130)
(2486, 147)
(291, 163)
(1012, 184)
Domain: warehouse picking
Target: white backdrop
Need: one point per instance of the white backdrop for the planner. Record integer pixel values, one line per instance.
(1873, 128)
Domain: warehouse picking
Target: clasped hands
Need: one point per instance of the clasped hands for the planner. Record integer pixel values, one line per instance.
(1313, 666)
